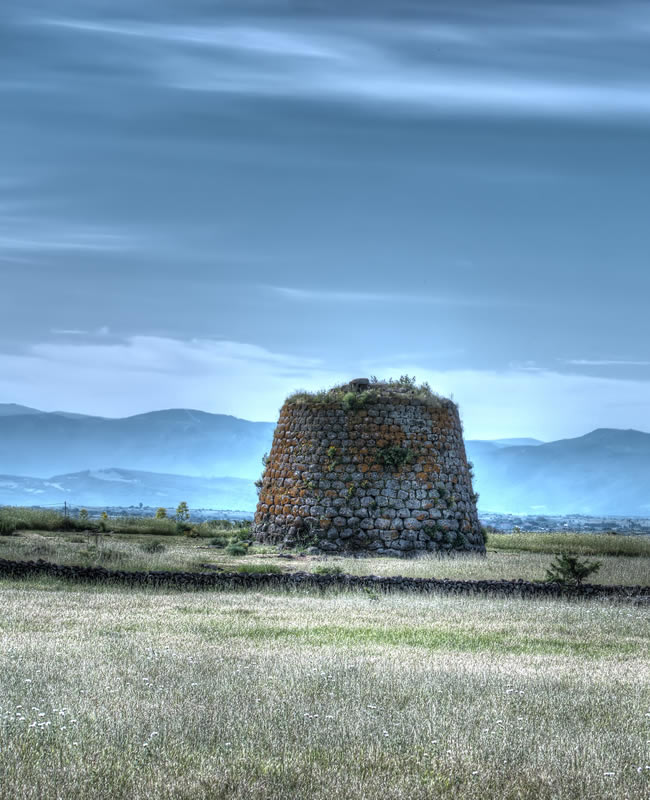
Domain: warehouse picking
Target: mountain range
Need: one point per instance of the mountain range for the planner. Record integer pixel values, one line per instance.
(124, 487)
(178, 441)
(604, 472)
(211, 461)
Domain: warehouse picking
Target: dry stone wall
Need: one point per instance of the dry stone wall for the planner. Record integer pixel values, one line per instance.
(191, 581)
(389, 478)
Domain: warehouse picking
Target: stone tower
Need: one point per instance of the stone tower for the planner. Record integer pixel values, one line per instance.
(369, 467)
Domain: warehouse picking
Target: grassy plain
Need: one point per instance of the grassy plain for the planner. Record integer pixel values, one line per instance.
(625, 560)
(135, 694)
(131, 693)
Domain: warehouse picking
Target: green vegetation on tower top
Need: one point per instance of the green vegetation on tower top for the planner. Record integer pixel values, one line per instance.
(356, 395)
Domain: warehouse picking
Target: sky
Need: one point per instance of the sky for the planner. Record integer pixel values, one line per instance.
(212, 204)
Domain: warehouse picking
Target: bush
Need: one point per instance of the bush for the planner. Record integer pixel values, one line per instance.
(7, 527)
(69, 524)
(259, 569)
(218, 541)
(237, 549)
(570, 570)
(183, 529)
(240, 535)
(154, 546)
(393, 456)
(376, 392)
(327, 569)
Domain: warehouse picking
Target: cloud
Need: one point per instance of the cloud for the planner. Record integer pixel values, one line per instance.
(499, 404)
(35, 235)
(342, 296)
(282, 43)
(142, 373)
(585, 362)
(477, 67)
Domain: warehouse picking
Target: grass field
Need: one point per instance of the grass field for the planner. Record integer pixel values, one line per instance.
(130, 693)
(527, 556)
(136, 694)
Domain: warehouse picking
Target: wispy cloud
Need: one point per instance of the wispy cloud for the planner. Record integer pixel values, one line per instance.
(215, 375)
(283, 43)
(366, 298)
(606, 362)
(34, 235)
(251, 382)
(464, 67)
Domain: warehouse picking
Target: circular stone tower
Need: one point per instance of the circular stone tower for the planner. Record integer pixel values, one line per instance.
(369, 467)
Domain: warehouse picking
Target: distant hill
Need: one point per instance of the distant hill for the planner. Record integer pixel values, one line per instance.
(13, 410)
(516, 442)
(176, 441)
(121, 487)
(604, 472)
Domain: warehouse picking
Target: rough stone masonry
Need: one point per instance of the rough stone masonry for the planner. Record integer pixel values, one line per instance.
(369, 468)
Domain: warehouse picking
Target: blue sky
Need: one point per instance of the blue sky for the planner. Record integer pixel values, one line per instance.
(213, 204)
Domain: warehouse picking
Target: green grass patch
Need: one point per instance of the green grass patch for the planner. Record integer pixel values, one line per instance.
(259, 569)
(453, 640)
(17, 518)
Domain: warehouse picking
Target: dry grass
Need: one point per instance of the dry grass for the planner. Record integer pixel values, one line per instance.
(494, 566)
(180, 553)
(136, 694)
(585, 544)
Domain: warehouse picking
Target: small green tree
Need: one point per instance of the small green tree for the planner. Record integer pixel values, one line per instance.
(182, 512)
(161, 513)
(571, 570)
(83, 515)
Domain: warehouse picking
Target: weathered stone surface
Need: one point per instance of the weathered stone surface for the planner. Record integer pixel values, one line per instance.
(339, 478)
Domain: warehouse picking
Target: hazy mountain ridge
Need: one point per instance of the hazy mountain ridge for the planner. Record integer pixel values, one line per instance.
(14, 410)
(120, 487)
(165, 456)
(176, 441)
(606, 471)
